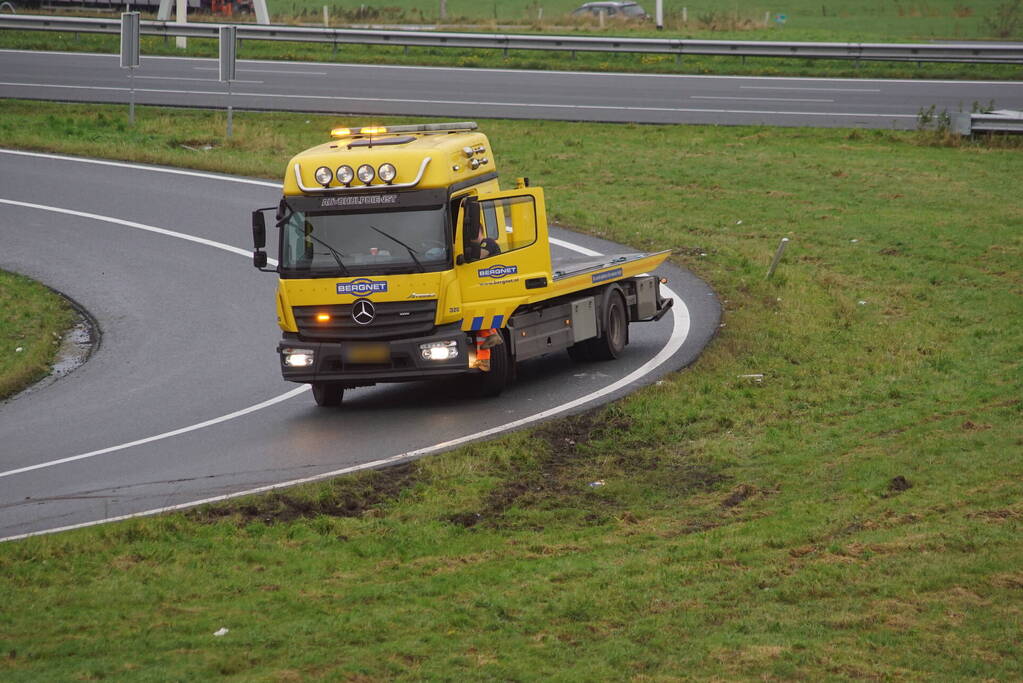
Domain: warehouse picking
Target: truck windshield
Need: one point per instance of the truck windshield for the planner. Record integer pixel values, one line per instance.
(366, 242)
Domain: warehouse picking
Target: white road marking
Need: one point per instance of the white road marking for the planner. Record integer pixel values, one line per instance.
(470, 103)
(137, 226)
(188, 78)
(159, 437)
(754, 99)
(779, 87)
(679, 333)
(143, 167)
(265, 71)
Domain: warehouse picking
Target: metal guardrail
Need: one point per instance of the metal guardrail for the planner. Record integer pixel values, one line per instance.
(994, 53)
(997, 121)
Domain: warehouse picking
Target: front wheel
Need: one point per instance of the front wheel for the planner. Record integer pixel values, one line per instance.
(493, 382)
(328, 394)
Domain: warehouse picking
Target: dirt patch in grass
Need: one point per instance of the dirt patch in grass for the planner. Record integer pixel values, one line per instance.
(355, 496)
(576, 459)
(897, 485)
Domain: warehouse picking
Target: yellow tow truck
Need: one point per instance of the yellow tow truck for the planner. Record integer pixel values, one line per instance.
(400, 259)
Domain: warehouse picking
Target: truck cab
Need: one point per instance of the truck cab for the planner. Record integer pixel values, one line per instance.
(400, 258)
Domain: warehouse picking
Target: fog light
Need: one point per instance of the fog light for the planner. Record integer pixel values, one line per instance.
(387, 172)
(345, 175)
(297, 358)
(445, 350)
(323, 176)
(366, 173)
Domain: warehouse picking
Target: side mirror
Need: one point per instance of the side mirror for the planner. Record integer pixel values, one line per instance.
(460, 260)
(259, 231)
(259, 259)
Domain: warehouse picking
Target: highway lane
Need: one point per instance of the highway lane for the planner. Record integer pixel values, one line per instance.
(188, 335)
(496, 93)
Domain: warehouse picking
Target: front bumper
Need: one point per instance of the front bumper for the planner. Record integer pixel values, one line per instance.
(364, 363)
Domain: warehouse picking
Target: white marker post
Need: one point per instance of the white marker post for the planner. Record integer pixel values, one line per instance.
(130, 55)
(228, 37)
(181, 17)
(659, 13)
(777, 256)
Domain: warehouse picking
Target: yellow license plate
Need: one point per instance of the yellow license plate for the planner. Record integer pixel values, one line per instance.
(366, 353)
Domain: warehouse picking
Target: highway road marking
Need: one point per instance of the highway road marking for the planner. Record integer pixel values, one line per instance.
(265, 71)
(479, 104)
(137, 226)
(159, 437)
(781, 87)
(679, 333)
(143, 167)
(189, 78)
(754, 99)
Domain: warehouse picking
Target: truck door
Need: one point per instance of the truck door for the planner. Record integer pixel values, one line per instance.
(502, 254)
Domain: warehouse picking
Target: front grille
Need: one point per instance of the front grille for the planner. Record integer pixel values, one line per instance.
(393, 320)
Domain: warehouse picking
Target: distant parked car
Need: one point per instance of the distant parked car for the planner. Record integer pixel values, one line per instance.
(617, 10)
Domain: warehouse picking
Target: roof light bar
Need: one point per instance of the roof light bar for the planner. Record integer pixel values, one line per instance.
(411, 128)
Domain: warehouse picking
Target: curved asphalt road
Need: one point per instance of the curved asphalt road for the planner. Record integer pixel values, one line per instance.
(189, 335)
(498, 93)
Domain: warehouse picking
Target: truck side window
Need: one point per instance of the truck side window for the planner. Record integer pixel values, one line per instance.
(490, 220)
(510, 222)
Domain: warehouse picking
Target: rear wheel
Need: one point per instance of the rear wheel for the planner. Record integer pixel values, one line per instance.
(616, 330)
(328, 394)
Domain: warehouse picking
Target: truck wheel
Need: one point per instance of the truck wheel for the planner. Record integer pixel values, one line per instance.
(616, 330)
(609, 345)
(492, 383)
(328, 394)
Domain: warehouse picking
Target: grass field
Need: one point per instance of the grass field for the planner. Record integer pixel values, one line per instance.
(855, 514)
(853, 20)
(32, 321)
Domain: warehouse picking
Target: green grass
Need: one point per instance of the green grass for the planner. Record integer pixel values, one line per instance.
(32, 321)
(855, 20)
(855, 514)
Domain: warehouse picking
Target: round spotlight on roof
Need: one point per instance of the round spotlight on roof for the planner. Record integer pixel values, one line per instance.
(323, 176)
(387, 173)
(345, 175)
(366, 173)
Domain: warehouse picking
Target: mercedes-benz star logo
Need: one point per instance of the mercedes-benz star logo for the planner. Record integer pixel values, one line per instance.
(363, 312)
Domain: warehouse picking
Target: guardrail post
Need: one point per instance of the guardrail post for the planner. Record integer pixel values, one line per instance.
(228, 35)
(181, 17)
(130, 55)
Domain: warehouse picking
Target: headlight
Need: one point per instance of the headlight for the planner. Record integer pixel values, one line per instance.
(323, 176)
(297, 358)
(366, 173)
(445, 350)
(345, 174)
(387, 172)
